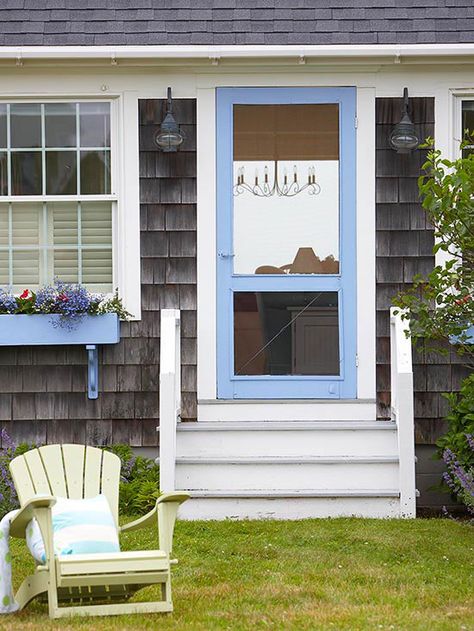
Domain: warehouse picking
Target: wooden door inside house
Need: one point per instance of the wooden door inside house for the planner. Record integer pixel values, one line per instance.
(286, 256)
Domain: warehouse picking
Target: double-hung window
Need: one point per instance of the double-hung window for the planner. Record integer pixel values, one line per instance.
(57, 201)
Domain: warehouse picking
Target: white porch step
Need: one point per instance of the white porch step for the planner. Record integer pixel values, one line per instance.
(258, 504)
(287, 439)
(305, 475)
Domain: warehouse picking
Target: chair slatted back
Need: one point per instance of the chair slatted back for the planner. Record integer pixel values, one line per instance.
(73, 471)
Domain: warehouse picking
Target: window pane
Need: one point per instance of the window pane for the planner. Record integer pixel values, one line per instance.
(97, 269)
(468, 123)
(26, 221)
(95, 124)
(26, 173)
(286, 333)
(25, 269)
(95, 172)
(61, 173)
(96, 223)
(3, 125)
(286, 189)
(60, 124)
(25, 122)
(64, 220)
(65, 265)
(3, 173)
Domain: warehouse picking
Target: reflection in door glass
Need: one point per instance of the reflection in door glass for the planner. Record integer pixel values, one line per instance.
(286, 333)
(286, 189)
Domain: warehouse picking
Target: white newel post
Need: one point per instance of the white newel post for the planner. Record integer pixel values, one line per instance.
(403, 410)
(170, 394)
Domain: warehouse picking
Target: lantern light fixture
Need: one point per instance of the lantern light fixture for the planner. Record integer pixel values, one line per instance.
(169, 137)
(403, 138)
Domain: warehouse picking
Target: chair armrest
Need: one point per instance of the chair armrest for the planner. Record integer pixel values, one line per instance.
(150, 519)
(27, 512)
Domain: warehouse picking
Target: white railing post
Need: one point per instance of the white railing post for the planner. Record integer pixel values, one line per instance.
(401, 379)
(170, 394)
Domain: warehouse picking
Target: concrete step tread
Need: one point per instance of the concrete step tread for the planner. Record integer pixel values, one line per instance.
(284, 460)
(291, 493)
(239, 426)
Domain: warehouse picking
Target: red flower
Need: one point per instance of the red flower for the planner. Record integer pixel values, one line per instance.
(25, 294)
(63, 297)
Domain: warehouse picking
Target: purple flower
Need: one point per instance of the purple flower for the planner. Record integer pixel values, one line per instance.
(8, 302)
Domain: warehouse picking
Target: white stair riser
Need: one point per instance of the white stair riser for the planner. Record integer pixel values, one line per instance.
(287, 476)
(288, 508)
(285, 443)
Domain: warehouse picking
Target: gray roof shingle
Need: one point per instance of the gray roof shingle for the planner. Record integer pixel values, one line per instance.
(208, 22)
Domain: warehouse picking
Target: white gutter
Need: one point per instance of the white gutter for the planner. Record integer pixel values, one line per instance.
(113, 54)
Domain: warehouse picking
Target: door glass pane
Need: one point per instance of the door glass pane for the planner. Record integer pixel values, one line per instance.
(286, 333)
(25, 125)
(468, 124)
(286, 189)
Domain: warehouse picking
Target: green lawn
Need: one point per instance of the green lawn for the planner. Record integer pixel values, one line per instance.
(339, 574)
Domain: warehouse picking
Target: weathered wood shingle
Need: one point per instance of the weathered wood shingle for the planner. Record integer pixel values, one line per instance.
(404, 248)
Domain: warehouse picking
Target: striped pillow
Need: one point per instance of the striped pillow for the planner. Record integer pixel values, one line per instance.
(79, 527)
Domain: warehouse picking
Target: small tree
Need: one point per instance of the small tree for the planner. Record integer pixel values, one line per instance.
(441, 306)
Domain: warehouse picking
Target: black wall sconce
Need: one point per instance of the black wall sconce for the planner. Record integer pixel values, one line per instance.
(169, 137)
(403, 138)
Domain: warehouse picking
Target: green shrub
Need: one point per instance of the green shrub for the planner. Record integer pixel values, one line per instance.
(139, 481)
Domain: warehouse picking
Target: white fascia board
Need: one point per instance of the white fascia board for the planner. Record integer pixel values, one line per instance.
(113, 54)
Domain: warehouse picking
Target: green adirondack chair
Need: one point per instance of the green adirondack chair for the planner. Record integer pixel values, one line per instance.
(89, 584)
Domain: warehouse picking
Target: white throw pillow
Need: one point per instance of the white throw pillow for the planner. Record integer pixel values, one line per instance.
(79, 527)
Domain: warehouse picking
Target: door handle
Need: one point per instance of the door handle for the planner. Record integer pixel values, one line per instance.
(225, 255)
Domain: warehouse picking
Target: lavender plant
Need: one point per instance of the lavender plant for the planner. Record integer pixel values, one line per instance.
(8, 451)
(459, 480)
(456, 447)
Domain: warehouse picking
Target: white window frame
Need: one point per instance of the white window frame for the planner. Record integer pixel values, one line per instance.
(124, 189)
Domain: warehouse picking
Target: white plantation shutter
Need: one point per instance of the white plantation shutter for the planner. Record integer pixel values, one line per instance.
(4, 255)
(64, 218)
(25, 238)
(96, 231)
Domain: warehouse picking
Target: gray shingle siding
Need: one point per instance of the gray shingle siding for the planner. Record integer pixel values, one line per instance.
(209, 22)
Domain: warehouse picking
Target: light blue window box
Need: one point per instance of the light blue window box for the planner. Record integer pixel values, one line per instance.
(469, 339)
(51, 329)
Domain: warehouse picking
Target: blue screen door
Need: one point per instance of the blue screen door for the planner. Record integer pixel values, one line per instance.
(286, 243)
